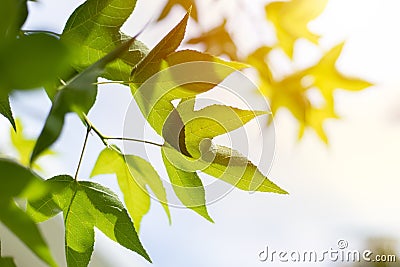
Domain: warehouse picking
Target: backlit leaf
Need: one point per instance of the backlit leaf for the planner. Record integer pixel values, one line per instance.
(210, 122)
(77, 95)
(94, 31)
(151, 63)
(24, 146)
(188, 188)
(86, 205)
(6, 111)
(186, 4)
(134, 175)
(327, 78)
(19, 182)
(185, 73)
(235, 169)
(217, 42)
(32, 60)
(291, 91)
(291, 20)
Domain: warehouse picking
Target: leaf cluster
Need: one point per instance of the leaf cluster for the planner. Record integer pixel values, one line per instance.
(68, 66)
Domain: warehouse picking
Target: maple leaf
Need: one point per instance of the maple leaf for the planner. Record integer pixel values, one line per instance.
(217, 42)
(291, 19)
(291, 92)
(186, 4)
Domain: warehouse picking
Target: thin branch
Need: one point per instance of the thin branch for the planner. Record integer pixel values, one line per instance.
(104, 138)
(88, 129)
(134, 140)
(42, 31)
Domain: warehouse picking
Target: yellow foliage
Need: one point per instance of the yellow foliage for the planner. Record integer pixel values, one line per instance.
(291, 21)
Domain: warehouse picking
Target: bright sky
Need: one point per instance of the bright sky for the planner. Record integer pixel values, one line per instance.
(348, 190)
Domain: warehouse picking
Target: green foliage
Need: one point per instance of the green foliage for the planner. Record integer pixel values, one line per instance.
(188, 188)
(77, 95)
(134, 174)
(20, 182)
(6, 261)
(92, 46)
(86, 205)
(94, 31)
(24, 146)
(6, 111)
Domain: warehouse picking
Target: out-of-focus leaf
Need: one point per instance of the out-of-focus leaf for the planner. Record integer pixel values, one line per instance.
(94, 30)
(32, 60)
(6, 111)
(24, 146)
(186, 4)
(217, 42)
(77, 95)
(86, 205)
(291, 20)
(7, 262)
(13, 14)
(134, 174)
(18, 181)
(152, 62)
(327, 78)
(291, 91)
(188, 188)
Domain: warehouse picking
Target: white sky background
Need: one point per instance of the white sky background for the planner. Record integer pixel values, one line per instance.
(348, 190)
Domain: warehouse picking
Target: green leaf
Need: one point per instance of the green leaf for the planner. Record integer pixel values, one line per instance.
(18, 181)
(32, 60)
(184, 74)
(7, 262)
(13, 14)
(6, 111)
(134, 174)
(210, 122)
(77, 95)
(188, 188)
(235, 169)
(24, 146)
(186, 4)
(94, 30)
(86, 205)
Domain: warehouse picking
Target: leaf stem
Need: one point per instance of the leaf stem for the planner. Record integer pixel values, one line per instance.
(88, 129)
(104, 138)
(133, 140)
(42, 31)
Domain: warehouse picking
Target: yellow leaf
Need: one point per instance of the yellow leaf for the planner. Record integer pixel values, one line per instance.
(24, 146)
(291, 21)
(315, 118)
(327, 78)
(291, 93)
(217, 42)
(186, 4)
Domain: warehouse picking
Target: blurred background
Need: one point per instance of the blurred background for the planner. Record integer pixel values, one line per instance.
(343, 186)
